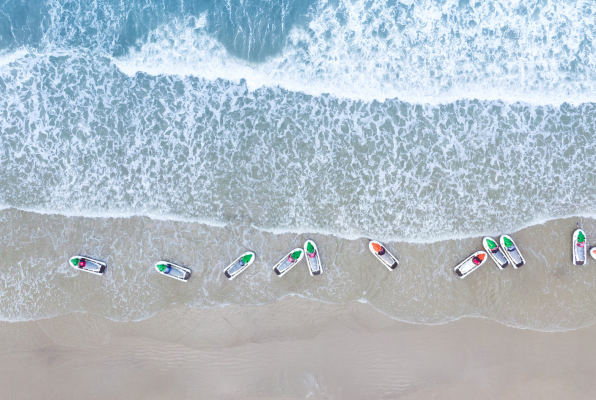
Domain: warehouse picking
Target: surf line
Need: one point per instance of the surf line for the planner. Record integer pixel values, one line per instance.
(503, 252)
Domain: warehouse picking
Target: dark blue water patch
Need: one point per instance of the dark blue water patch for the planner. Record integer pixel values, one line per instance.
(254, 30)
(251, 30)
(22, 22)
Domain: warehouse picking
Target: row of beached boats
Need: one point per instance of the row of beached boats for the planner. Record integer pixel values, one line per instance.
(238, 266)
(503, 252)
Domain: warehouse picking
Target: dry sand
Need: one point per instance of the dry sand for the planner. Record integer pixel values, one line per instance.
(291, 349)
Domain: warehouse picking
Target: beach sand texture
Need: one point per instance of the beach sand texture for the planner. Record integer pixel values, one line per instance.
(194, 131)
(356, 332)
(291, 349)
(547, 294)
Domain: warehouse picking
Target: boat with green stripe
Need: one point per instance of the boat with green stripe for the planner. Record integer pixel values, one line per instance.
(580, 247)
(288, 262)
(513, 254)
(88, 264)
(239, 265)
(313, 258)
(495, 252)
(173, 271)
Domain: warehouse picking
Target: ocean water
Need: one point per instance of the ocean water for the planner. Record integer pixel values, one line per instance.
(196, 130)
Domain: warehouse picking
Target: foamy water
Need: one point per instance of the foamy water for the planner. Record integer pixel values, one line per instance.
(416, 122)
(36, 281)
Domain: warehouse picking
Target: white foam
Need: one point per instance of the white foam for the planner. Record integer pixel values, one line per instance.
(433, 53)
(11, 56)
(305, 230)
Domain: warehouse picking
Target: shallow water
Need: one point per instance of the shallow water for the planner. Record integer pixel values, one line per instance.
(206, 127)
(36, 281)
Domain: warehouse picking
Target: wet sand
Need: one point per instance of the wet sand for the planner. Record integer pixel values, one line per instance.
(36, 281)
(291, 349)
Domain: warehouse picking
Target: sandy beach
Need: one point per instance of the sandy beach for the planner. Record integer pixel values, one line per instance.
(291, 349)
(143, 133)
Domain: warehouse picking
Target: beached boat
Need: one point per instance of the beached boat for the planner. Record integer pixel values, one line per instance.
(511, 251)
(88, 264)
(494, 251)
(312, 258)
(383, 255)
(579, 249)
(173, 270)
(288, 262)
(239, 265)
(470, 264)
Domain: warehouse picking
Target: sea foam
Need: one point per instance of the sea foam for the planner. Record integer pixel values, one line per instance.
(419, 52)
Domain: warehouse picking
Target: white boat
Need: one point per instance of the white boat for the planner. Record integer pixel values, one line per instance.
(383, 255)
(580, 247)
(289, 261)
(312, 258)
(470, 264)
(593, 252)
(88, 264)
(173, 270)
(495, 252)
(239, 265)
(511, 251)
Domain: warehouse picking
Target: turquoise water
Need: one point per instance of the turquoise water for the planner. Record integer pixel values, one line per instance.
(212, 111)
(405, 121)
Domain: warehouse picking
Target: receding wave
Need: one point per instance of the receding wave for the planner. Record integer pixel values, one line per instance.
(419, 52)
(195, 131)
(37, 282)
(80, 136)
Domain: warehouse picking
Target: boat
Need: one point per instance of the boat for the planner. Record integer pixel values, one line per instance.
(383, 255)
(579, 247)
(511, 251)
(494, 251)
(173, 270)
(470, 264)
(593, 252)
(239, 265)
(288, 262)
(312, 258)
(88, 264)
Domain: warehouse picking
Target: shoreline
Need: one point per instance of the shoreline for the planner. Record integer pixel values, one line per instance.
(293, 348)
(279, 231)
(547, 294)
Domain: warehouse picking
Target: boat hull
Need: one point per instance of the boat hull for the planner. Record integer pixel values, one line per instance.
(314, 263)
(579, 252)
(182, 274)
(235, 269)
(497, 256)
(467, 266)
(387, 259)
(514, 256)
(283, 266)
(99, 267)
